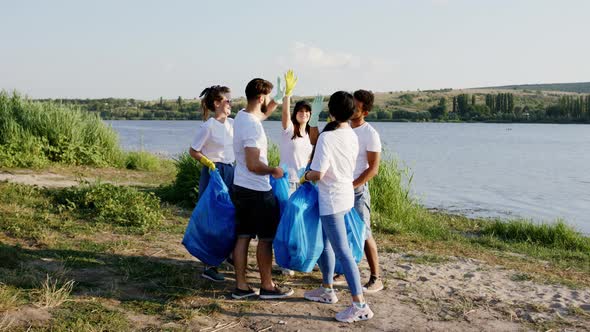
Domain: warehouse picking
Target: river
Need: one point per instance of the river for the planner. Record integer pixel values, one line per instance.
(535, 171)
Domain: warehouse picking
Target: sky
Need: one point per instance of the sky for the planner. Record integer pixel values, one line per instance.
(151, 49)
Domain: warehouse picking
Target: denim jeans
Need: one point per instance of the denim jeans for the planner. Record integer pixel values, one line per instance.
(336, 246)
(225, 170)
(362, 205)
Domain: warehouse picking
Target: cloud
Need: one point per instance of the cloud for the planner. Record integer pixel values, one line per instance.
(306, 56)
(316, 57)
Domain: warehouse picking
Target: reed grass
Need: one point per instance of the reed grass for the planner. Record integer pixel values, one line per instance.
(34, 134)
(142, 161)
(393, 208)
(556, 235)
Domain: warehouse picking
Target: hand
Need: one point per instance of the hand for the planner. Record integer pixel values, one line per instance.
(316, 109)
(278, 98)
(290, 82)
(302, 180)
(277, 173)
(208, 163)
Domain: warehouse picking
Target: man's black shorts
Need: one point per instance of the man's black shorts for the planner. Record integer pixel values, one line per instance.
(257, 213)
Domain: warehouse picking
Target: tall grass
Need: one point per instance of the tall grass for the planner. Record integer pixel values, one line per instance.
(33, 134)
(393, 208)
(142, 161)
(185, 188)
(557, 235)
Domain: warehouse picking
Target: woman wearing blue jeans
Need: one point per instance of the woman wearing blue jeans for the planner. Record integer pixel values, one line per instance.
(333, 163)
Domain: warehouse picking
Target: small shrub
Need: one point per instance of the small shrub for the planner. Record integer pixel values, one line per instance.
(185, 188)
(142, 161)
(119, 206)
(273, 156)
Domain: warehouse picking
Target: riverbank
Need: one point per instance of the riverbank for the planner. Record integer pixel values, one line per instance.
(64, 269)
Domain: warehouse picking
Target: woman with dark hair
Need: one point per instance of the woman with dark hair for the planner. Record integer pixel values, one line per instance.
(333, 164)
(213, 146)
(295, 148)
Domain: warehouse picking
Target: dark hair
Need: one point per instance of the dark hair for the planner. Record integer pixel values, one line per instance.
(365, 97)
(341, 107)
(296, 126)
(209, 96)
(257, 87)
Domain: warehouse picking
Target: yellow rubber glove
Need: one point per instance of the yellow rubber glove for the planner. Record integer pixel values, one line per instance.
(290, 82)
(208, 163)
(302, 180)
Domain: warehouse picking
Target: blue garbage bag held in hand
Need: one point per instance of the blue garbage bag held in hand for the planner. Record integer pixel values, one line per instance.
(355, 232)
(280, 188)
(210, 234)
(298, 242)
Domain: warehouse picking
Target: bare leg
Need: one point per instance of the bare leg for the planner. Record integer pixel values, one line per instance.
(372, 256)
(240, 261)
(358, 298)
(264, 259)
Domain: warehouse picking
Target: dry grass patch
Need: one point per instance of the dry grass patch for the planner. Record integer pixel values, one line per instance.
(9, 298)
(53, 293)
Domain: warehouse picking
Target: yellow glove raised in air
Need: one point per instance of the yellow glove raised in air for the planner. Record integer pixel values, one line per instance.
(290, 82)
(207, 163)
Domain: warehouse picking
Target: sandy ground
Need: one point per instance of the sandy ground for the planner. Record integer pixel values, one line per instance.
(457, 295)
(421, 294)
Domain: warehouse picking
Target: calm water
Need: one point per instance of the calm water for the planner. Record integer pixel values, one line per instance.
(536, 171)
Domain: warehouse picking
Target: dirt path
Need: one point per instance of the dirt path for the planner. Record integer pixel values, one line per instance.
(46, 179)
(50, 179)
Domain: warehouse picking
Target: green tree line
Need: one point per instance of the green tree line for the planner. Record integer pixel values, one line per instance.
(491, 107)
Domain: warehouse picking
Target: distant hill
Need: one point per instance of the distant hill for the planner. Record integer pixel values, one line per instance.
(582, 87)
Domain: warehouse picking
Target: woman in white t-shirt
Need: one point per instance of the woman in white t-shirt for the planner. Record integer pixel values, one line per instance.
(333, 164)
(295, 148)
(213, 146)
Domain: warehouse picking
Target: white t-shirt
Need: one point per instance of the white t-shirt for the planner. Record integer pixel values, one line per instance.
(369, 141)
(335, 156)
(248, 132)
(294, 152)
(215, 140)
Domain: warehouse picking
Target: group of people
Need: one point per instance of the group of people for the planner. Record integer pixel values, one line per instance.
(341, 160)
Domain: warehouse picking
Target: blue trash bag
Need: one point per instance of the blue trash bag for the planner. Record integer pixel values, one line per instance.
(210, 234)
(356, 232)
(280, 188)
(298, 242)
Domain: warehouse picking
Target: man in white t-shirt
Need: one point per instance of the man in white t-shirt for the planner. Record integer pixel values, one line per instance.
(367, 166)
(257, 210)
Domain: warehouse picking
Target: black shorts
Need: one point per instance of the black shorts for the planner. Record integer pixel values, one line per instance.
(257, 213)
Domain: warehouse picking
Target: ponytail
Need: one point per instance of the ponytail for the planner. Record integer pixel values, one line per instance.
(209, 96)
